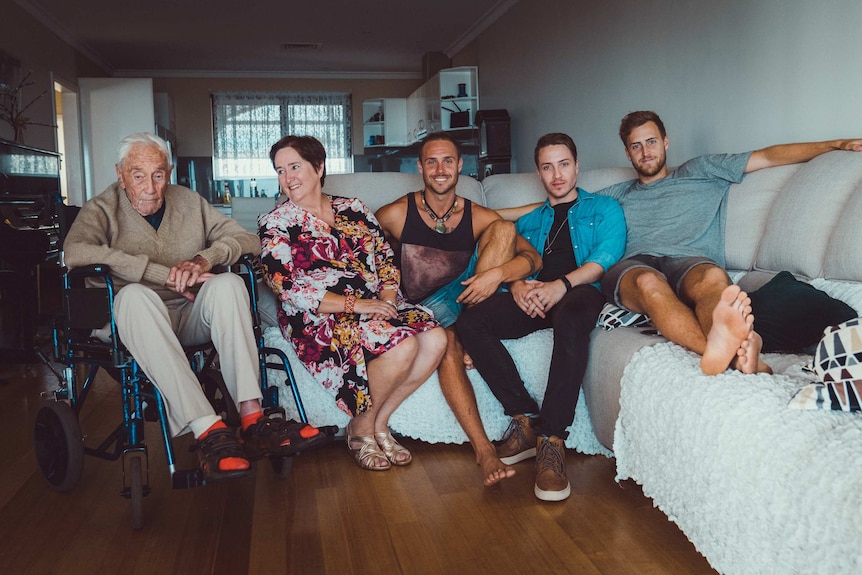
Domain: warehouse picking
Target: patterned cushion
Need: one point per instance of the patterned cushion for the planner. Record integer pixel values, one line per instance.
(613, 316)
(838, 364)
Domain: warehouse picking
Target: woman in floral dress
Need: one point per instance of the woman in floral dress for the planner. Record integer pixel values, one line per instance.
(340, 303)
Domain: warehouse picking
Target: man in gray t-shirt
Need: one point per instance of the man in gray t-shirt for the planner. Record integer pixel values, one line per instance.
(672, 269)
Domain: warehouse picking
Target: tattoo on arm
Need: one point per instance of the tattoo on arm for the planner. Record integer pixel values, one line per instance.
(529, 261)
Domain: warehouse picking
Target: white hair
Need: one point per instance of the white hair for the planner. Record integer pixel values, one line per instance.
(144, 139)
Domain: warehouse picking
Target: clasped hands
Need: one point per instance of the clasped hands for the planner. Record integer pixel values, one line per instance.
(189, 274)
(536, 298)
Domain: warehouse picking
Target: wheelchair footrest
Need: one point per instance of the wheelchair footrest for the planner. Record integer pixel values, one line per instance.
(184, 479)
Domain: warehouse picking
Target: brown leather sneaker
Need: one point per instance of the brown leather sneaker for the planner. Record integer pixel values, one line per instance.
(519, 441)
(551, 481)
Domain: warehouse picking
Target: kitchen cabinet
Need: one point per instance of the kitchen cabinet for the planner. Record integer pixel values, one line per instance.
(384, 122)
(448, 101)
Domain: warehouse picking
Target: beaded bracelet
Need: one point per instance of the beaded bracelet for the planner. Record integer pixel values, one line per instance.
(349, 302)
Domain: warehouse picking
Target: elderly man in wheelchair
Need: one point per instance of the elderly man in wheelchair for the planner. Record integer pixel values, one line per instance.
(161, 242)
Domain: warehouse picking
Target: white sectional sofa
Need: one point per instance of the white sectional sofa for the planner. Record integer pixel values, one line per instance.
(756, 486)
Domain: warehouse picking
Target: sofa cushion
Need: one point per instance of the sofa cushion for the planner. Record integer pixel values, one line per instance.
(791, 315)
(838, 365)
(807, 211)
(513, 190)
(376, 189)
(748, 208)
(844, 258)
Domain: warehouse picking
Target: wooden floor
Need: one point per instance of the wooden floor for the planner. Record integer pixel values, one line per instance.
(327, 516)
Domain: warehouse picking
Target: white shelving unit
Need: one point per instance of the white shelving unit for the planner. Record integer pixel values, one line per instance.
(459, 90)
(384, 122)
(430, 107)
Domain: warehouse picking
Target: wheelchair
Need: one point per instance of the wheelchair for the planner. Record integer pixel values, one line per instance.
(58, 440)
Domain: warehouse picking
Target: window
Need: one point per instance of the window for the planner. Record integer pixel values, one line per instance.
(246, 125)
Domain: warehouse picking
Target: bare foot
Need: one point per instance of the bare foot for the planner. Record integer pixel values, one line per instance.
(731, 323)
(748, 358)
(468, 361)
(493, 470)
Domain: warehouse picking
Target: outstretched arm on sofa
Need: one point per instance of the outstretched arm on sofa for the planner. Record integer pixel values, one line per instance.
(784, 154)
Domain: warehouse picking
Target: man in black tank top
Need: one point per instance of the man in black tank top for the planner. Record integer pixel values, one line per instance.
(454, 253)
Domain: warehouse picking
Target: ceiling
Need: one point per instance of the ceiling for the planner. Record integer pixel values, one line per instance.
(335, 38)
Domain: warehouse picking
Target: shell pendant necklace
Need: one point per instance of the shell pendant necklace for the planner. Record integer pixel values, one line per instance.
(440, 221)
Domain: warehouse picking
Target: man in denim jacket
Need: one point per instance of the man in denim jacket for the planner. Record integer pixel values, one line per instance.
(580, 235)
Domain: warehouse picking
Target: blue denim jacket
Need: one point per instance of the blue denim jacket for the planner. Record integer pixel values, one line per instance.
(596, 223)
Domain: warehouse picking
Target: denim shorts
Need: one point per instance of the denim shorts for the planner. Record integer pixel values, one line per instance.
(442, 302)
(673, 269)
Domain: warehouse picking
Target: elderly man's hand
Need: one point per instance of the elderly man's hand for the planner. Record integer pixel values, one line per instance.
(187, 274)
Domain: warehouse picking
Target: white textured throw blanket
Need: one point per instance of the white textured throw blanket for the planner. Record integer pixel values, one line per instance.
(756, 486)
(425, 415)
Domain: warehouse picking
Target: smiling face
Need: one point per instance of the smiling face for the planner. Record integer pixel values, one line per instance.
(559, 172)
(440, 165)
(297, 177)
(646, 149)
(144, 174)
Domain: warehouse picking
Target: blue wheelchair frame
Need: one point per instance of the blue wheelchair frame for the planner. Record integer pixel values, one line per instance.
(58, 440)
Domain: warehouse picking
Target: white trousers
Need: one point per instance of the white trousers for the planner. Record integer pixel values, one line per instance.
(154, 332)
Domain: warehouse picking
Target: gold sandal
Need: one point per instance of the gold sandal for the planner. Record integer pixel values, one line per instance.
(396, 453)
(367, 453)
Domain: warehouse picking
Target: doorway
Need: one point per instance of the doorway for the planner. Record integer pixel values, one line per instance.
(69, 145)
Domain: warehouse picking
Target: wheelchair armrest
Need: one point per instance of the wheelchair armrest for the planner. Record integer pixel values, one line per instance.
(90, 271)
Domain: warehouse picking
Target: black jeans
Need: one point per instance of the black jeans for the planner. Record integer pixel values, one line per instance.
(482, 326)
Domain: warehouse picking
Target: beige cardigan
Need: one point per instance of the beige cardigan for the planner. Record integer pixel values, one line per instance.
(109, 231)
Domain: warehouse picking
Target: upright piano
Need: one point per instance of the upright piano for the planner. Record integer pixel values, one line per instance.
(29, 239)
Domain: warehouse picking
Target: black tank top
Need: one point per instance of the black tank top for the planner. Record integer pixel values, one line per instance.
(430, 260)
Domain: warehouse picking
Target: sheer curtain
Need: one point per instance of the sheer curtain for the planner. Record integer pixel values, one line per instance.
(247, 124)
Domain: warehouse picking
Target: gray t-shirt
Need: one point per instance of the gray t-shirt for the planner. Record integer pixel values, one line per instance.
(683, 214)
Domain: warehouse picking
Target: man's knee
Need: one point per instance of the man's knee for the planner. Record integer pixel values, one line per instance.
(702, 280)
(226, 289)
(643, 283)
(708, 274)
(226, 282)
(499, 235)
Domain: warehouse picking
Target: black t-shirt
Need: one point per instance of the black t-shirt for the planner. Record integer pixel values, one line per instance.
(558, 256)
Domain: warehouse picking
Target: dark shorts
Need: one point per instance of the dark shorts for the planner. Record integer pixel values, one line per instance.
(674, 271)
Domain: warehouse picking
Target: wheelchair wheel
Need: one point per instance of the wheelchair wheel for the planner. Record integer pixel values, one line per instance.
(216, 391)
(136, 491)
(58, 444)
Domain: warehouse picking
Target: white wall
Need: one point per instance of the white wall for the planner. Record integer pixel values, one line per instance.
(111, 109)
(724, 76)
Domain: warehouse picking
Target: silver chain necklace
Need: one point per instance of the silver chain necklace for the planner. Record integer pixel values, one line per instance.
(550, 241)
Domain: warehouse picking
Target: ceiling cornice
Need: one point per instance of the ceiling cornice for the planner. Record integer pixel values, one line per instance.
(53, 25)
(480, 26)
(267, 74)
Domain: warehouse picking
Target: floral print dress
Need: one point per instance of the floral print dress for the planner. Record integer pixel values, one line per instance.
(303, 258)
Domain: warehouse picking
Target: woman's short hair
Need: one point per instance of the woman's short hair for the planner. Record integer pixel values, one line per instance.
(309, 149)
